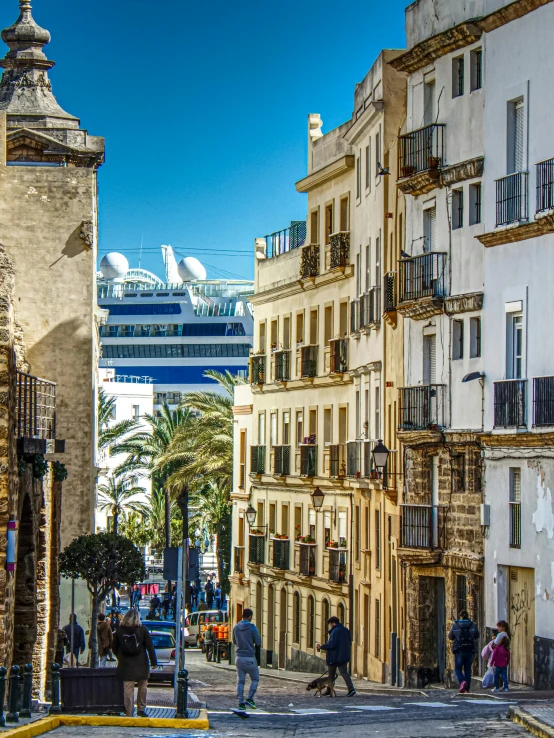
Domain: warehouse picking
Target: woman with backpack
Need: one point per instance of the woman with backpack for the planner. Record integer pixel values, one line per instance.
(464, 635)
(501, 656)
(135, 653)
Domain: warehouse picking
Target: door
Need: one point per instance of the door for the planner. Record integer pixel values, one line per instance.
(365, 639)
(270, 624)
(283, 630)
(430, 359)
(440, 611)
(522, 624)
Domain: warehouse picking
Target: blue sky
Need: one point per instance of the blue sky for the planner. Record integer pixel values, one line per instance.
(204, 109)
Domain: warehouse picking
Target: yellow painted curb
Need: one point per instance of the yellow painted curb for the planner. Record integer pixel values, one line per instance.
(51, 723)
(530, 723)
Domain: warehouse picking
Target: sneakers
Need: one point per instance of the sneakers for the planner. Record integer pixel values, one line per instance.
(506, 689)
(252, 704)
(496, 690)
(142, 714)
(352, 693)
(463, 688)
(242, 706)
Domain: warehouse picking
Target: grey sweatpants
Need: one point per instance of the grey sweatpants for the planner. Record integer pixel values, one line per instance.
(247, 665)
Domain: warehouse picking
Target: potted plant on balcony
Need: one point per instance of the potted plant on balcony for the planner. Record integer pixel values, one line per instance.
(256, 532)
(433, 162)
(280, 536)
(374, 474)
(407, 170)
(307, 540)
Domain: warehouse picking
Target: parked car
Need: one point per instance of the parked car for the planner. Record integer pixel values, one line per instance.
(165, 626)
(196, 620)
(164, 644)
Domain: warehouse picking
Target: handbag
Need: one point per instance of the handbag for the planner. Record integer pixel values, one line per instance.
(488, 679)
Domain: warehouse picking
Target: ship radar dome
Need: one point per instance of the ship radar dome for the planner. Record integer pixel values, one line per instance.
(190, 269)
(114, 266)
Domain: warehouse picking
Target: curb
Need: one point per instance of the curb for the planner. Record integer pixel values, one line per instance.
(51, 723)
(530, 723)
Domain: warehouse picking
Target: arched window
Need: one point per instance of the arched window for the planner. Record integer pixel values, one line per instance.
(341, 613)
(311, 621)
(325, 615)
(259, 606)
(296, 618)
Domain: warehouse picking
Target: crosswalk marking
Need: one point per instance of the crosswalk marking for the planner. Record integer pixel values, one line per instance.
(490, 702)
(429, 704)
(371, 708)
(315, 711)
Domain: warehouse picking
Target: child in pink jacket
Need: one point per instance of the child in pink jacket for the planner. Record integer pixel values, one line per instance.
(501, 656)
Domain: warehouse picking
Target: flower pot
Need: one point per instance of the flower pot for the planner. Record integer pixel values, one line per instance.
(407, 171)
(433, 162)
(94, 691)
(374, 475)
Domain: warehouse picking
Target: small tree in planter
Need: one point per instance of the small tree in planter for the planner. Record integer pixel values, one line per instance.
(102, 561)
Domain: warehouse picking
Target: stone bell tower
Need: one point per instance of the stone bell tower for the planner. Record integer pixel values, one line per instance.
(49, 229)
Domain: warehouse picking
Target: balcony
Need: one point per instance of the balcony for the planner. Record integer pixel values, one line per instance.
(422, 526)
(420, 158)
(340, 250)
(354, 456)
(257, 369)
(338, 356)
(281, 553)
(370, 308)
(545, 186)
(337, 461)
(389, 292)
(306, 564)
(422, 408)
(308, 361)
(337, 565)
(35, 418)
(239, 559)
(257, 459)
(356, 316)
(309, 263)
(308, 460)
(282, 366)
(510, 403)
(543, 401)
(511, 199)
(422, 285)
(256, 549)
(286, 240)
(281, 461)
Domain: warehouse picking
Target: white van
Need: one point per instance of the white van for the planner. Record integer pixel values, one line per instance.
(196, 619)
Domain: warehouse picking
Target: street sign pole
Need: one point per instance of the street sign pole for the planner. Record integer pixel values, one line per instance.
(178, 608)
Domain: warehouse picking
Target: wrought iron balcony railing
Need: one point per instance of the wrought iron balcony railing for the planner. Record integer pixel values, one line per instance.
(422, 276)
(239, 559)
(309, 263)
(257, 369)
(35, 408)
(308, 361)
(282, 366)
(337, 460)
(422, 526)
(421, 407)
(510, 403)
(543, 401)
(340, 249)
(338, 357)
(370, 304)
(337, 565)
(281, 553)
(286, 240)
(389, 290)
(545, 185)
(257, 459)
(307, 560)
(511, 199)
(308, 461)
(281, 460)
(354, 458)
(421, 150)
(355, 315)
(256, 549)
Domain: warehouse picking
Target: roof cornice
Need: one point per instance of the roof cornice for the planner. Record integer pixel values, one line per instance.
(331, 171)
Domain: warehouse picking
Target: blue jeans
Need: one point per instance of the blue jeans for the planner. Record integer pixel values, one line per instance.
(462, 665)
(247, 665)
(500, 672)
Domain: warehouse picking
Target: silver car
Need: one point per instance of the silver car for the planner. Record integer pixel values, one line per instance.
(164, 645)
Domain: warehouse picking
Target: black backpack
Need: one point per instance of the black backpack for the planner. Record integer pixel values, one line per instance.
(466, 639)
(130, 645)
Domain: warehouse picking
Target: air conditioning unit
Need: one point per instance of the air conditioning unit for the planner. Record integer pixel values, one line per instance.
(485, 515)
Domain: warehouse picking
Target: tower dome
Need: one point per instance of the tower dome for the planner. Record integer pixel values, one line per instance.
(190, 269)
(114, 266)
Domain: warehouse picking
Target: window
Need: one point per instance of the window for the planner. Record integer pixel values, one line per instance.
(296, 618)
(475, 203)
(474, 338)
(476, 64)
(327, 425)
(326, 526)
(344, 214)
(389, 545)
(312, 522)
(136, 412)
(377, 539)
(273, 429)
(261, 429)
(368, 166)
(429, 229)
(461, 593)
(457, 209)
(366, 526)
(242, 462)
(377, 407)
(429, 113)
(367, 267)
(299, 328)
(286, 428)
(299, 427)
(430, 359)
(169, 308)
(377, 152)
(358, 273)
(325, 615)
(357, 531)
(328, 223)
(457, 339)
(175, 351)
(515, 136)
(378, 260)
(458, 466)
(341, 613)
(311, 622)
(377, 629)
(515, 507)
(314, 235)
(358, 178)
(328, 324)
(458, 76)
(514, 353)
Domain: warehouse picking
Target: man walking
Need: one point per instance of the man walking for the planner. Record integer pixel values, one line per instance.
(246, 637)
(104, 635)
(338, 651)
(78, 641)
(464, 635)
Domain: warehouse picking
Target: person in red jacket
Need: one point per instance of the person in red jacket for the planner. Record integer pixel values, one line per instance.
(501, 656)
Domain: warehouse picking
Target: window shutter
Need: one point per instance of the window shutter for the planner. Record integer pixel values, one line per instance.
(518, 134)
(429, 359)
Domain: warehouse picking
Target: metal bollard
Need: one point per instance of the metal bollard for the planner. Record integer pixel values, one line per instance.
(55, 689)
(182, 694)
(13, 697)
(3, 673)
(25, 711)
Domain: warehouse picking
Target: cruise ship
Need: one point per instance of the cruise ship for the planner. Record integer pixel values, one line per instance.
(170, 332)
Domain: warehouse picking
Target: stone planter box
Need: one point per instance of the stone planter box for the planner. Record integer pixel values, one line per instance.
(97, 691)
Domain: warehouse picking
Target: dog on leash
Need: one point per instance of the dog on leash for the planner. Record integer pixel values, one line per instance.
(321, 683)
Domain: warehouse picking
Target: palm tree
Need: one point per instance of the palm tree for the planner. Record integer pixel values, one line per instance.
(212, 511)
(109, 435)
(120, 497)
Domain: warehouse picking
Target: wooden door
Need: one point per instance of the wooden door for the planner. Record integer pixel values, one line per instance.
(270, 623)
(522, 624)
(283, 630)
(365, 638)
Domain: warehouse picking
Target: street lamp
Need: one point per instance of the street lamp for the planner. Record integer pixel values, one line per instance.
(251, 515)
(317, 498)
(380, 455)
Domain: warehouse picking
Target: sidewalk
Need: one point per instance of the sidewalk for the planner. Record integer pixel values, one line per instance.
(537, 718)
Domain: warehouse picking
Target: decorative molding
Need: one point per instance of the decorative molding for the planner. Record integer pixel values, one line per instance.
(420, 438)
(519, 232)
(289, 289)
(420, 183)
(518, 440)
(418, 556)
(429, 49)
(463, 303)
(468, 169)
(422, 308)
(327, 173)
(462, 562)
(509, 13)
(243, 409)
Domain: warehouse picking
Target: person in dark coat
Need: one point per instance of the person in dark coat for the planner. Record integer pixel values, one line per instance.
(78, 637)
(209, 589)
(337, 651)
(464, 636)
(135, 653)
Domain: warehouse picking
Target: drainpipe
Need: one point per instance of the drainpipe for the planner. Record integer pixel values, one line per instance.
(351, 579)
